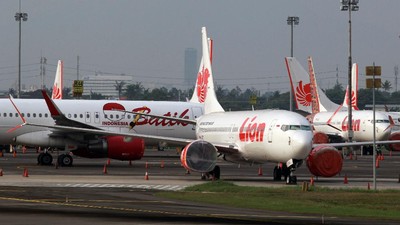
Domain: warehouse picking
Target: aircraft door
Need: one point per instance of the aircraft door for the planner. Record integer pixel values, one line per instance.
(197, 112)
(270, 129)
(232, 135)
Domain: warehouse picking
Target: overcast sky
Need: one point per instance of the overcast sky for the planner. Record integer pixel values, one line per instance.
(147, 39)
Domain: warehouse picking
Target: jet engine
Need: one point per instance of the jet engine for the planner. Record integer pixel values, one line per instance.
(199, 156)
(394, 137)
(320, 138)
(324, 161)
(114, 147)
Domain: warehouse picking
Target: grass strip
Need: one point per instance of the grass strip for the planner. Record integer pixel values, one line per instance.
(361, 203)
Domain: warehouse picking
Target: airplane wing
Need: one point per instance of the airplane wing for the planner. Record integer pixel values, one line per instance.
(221, 147)
(350, 144)
(61, 128)
(59, 117)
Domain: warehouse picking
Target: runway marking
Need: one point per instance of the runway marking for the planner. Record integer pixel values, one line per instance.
(138, 186)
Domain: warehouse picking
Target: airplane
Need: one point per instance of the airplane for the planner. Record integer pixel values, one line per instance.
(330, 125)
(334, 122)
(253, 137)
(394, 117)
(97, 114)
(324, 102)
(58, 86)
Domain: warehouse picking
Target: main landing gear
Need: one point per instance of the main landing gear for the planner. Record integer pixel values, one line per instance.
(46, 159)
(65, 160)
(214, 174)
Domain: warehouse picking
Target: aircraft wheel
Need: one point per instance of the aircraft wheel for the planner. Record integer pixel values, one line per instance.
(39, 158)
(291, 180)
(46, 159)
(277, 173)
(65, 160)
(217, 172)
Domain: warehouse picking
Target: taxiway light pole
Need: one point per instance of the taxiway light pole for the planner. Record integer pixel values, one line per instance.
(376, 83)
(20, 16)
(292, 20)
(349, 5)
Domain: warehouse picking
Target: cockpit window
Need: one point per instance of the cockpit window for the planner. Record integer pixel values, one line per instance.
(295, 127)
(381, 121)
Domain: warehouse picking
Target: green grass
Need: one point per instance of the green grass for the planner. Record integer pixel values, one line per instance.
(323, 201)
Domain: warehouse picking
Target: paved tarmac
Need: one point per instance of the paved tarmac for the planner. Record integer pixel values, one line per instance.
(90, 193)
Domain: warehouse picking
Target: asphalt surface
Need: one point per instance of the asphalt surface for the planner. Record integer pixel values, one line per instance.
(92, 192)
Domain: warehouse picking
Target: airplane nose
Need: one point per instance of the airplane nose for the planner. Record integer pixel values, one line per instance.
(383, 131)
(301, 144)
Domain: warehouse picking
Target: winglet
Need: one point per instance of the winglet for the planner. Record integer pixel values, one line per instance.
(20, 115)
(54, 110)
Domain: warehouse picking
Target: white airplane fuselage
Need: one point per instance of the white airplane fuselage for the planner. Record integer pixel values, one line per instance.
(362, 123)
(260, 136)
(96, 113)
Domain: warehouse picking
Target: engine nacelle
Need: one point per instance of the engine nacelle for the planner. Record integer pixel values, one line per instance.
(394, 137)
(324, 161)
(114, 147)
(320, 138)
(199, 156)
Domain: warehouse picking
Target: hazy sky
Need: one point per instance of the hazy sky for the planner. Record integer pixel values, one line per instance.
(147, 39)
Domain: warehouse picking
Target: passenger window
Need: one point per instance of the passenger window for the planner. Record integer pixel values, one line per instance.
(81, 115)
(10, 114)
(34, 115)
(5, 114)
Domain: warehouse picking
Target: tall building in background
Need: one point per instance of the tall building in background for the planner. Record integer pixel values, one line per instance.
(190, 66)
(105, 84)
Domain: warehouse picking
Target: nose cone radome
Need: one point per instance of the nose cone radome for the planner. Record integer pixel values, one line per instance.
(301, 144)
(383, 132)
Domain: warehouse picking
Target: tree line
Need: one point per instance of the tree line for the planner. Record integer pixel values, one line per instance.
(235, 99)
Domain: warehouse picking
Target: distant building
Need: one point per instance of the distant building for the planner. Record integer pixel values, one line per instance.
(105, 84)
(191, 66)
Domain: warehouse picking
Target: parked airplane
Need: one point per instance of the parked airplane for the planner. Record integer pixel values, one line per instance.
(97, 114)
(241, 137)
(323, 101)
(332, 125)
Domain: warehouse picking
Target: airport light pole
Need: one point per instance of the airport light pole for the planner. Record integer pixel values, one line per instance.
(349, 5)
(292, 20)
(20, 16)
